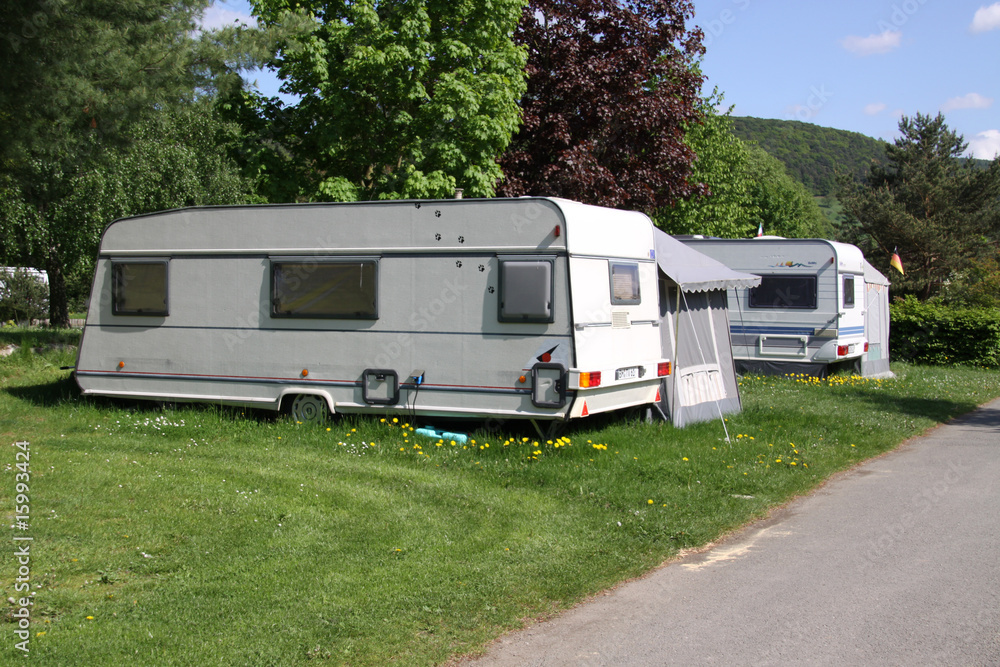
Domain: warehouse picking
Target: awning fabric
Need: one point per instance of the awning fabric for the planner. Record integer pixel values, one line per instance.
(693, 271)
(874, 276)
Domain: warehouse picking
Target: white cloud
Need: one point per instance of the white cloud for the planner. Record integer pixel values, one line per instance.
(986, 18)
(873, 44)
(970, 101)
(985, 145)
(218, 15)
(875, 108)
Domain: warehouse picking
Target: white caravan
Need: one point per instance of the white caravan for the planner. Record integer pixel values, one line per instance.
(534, 308)
(808, 313)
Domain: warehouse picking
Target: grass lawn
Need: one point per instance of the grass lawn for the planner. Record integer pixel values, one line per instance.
(206, 536)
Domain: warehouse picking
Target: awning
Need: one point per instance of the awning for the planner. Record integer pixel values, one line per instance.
(693, 271)
(874, 276)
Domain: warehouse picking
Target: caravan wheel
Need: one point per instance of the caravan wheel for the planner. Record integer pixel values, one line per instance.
(310, 409)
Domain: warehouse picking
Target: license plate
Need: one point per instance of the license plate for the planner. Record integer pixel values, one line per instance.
(631, 373)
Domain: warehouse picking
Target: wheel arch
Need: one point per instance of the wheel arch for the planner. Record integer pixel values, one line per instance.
(289, 395)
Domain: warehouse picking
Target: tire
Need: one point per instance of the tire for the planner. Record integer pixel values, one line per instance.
(310, 409)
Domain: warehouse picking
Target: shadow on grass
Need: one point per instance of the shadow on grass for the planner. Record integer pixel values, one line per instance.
(48, 394)
(936, 409)
(64, 390)
(37, 336)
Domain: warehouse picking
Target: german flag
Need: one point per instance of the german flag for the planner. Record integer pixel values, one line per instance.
(895, 262)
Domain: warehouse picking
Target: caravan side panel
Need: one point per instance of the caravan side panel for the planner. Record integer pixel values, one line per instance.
(437, 316)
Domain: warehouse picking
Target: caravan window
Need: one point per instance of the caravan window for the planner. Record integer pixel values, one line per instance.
(139, 288)
(324, 288)
(784, 292)
(526, 289)
(848, 291)
(624, 284)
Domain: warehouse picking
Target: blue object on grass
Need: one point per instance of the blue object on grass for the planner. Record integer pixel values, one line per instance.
(447, 436)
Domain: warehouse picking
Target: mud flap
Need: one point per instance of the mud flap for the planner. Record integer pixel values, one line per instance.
(659, 410)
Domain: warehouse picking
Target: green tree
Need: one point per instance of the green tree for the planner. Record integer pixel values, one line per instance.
(782, 206)
(79, 79)
(745, 187)
(940, 211)
(162, 163)
(813, 155)
(23, 296)
(399, 98)
(725, 208)
(978, 286)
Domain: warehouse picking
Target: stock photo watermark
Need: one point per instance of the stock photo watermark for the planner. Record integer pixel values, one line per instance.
(920, 504)
(817, 99)
(20, 35)
(715, 27)
(901, 14)
(22, 546)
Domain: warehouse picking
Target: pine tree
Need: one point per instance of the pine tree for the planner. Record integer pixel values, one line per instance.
(941, 211)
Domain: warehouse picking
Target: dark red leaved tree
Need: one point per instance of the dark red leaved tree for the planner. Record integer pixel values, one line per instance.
(610, 85)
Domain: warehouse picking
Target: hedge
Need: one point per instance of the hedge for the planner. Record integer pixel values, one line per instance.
(932, 333)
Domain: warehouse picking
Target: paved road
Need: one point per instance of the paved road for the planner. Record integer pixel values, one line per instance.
(894, 563)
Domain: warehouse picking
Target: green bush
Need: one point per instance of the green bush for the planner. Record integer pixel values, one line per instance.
(936, 333)
(23, 296)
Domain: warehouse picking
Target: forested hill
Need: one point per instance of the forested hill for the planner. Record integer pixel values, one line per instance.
(812, 154)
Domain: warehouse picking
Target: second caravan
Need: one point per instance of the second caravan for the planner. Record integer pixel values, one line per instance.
(808, 313)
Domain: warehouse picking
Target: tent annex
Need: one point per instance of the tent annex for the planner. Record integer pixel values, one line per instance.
(694, 332)
(875, 362)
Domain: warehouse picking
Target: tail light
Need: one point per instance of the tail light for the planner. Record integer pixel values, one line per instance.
(590, 380)
(842, 350)
(663, 369)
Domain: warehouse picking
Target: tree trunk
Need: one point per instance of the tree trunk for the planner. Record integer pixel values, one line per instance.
(58, 307)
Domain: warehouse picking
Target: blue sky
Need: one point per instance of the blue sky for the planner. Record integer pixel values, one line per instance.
(850, 64)
(858, 64)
